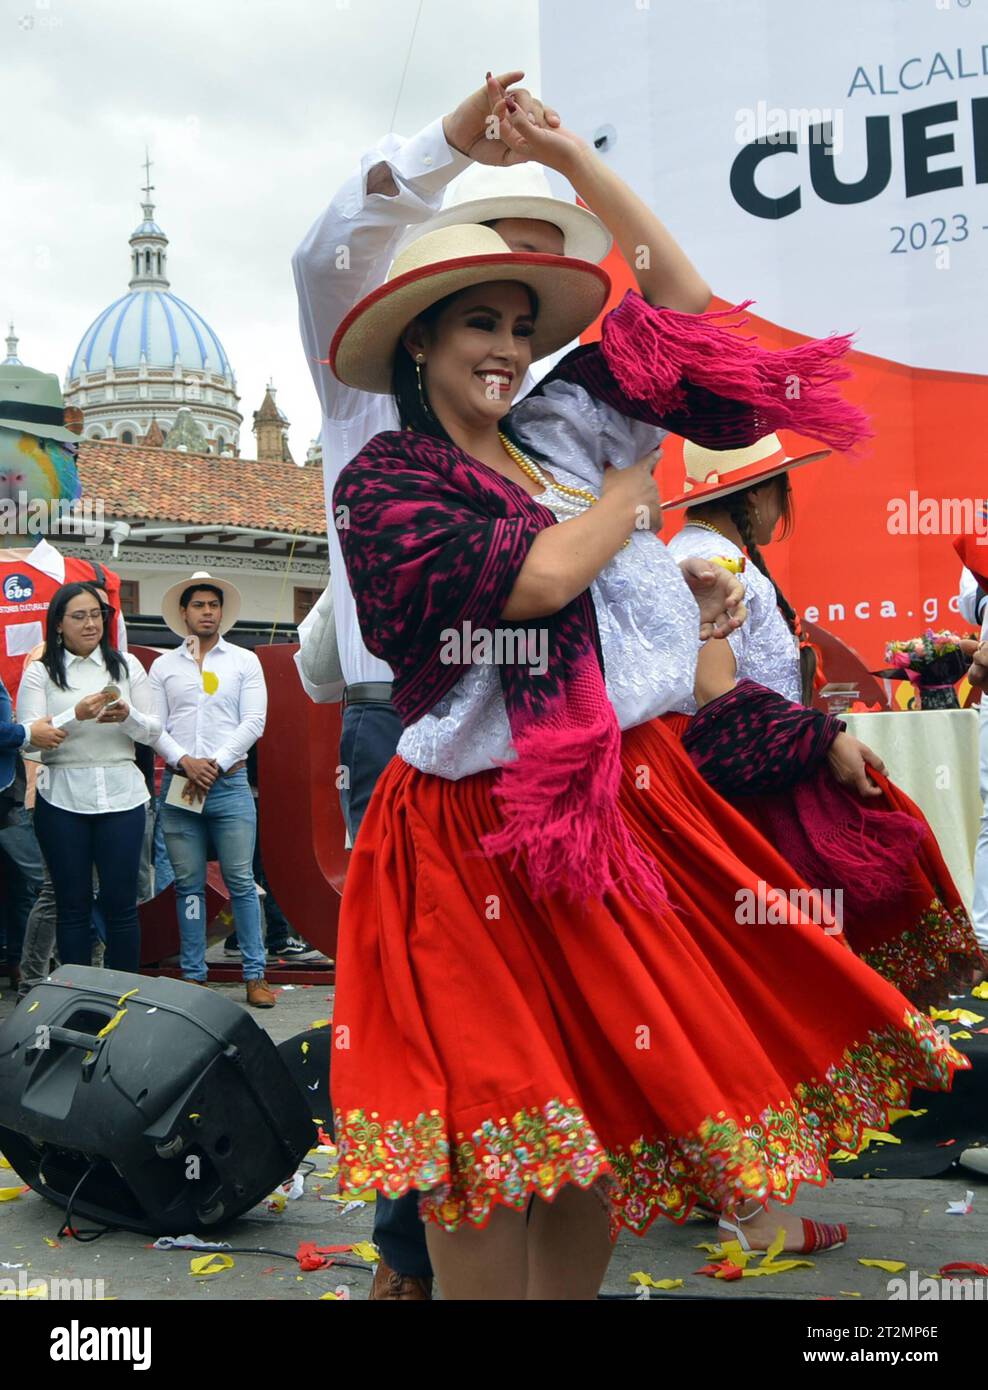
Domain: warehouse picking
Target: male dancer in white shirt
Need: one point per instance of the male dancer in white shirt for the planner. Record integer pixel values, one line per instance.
(212, 701)
(345, 254)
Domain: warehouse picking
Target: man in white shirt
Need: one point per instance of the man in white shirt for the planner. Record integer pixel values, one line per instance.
(973, 603)
(212, 702)
(346, 254)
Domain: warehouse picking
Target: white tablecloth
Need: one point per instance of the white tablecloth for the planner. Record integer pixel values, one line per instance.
(933, 756)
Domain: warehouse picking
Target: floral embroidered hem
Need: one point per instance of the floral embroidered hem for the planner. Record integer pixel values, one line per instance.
(932, 960)
(725, 1160)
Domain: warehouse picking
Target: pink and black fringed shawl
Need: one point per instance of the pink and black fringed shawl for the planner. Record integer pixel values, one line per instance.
(435, 540)
(692, 375)
(753, 742)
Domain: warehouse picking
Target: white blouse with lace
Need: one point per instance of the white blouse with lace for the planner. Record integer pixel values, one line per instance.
(647, 617)
(764, 649)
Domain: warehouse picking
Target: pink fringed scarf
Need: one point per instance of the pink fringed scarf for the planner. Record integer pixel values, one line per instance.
(694, 376)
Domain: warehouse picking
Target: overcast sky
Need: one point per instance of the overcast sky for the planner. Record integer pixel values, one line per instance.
(254, 111)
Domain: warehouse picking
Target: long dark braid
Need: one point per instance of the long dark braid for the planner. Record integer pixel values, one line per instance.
(738, 507)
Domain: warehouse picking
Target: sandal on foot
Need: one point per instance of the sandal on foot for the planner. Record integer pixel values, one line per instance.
(817, 1235)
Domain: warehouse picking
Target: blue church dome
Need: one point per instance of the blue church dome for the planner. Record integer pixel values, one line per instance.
(152, 323)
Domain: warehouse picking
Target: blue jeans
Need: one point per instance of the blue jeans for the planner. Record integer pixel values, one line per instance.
(228, 820)
(370, 736)
(73, 844)
(25, 877)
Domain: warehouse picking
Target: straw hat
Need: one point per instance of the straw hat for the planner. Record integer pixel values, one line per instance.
(32, 401)
(172, 614)
(571, 295)
(714, 473)
(484, 193)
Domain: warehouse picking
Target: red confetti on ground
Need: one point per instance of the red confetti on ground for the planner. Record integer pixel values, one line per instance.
(967, 1268)
(946, 1143)
(324, 1138)
(308, 1257)
(722, 1269)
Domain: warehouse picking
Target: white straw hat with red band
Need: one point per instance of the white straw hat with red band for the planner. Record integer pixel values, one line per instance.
(712, 473)
(571, 294)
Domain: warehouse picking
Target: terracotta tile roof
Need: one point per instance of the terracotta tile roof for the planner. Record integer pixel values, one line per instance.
(162, 485)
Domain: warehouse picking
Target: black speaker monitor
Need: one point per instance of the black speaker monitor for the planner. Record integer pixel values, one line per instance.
(170, 1106)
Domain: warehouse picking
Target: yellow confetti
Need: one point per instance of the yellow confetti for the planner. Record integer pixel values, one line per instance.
(849, 1293)
(896, 1115)
(194, 1115)
(776, 1247)
(320, 1023)
(202, 1266)
(777, 1267)
(305, 1048)
(889, 1266)
(649, 1283)
(52, 1243)
(868, 1136)
(210, 682)
(32, 1291)
(961, 1033)
(113, 1023)
(129, 995)
(36, 1005)
(981, 991)
(329, 1173)
(276, 1202)
(964, 1016)
(11, 1194)
(365, 1251)
(317, 1121)
(4, 1162)
(335, 1298)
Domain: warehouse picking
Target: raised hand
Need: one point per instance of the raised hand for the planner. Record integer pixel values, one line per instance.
(550, 143)
(478, 125)
(719, 596)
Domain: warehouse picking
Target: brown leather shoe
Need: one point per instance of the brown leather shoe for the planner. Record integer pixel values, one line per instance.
(259, 995)
(389, 1284)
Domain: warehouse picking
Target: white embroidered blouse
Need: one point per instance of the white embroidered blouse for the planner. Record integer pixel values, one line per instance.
(764, 649)
(647, 618)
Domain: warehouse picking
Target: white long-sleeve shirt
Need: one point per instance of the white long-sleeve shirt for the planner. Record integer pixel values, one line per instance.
(344, 256)
(92, 770)
(217, 712)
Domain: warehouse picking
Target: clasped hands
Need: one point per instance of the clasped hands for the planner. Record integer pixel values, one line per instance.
(201, 774)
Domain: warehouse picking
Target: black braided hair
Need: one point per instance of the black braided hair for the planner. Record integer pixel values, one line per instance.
(738, 506)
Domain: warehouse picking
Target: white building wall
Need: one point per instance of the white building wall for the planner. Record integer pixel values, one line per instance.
(268, 591)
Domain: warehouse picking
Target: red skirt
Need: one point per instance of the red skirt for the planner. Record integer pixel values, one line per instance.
(488, 1046)
(923, 941)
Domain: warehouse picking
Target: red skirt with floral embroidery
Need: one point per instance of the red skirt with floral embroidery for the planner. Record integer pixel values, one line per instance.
(489, 1046)
(923, 941)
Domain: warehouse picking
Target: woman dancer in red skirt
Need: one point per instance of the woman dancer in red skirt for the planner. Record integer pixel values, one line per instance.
(525, 977)
(828, 806)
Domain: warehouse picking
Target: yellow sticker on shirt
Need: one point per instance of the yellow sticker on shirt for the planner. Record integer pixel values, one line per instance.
(210, 682)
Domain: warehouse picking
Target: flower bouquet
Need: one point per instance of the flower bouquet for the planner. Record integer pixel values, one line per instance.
(934, 663)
